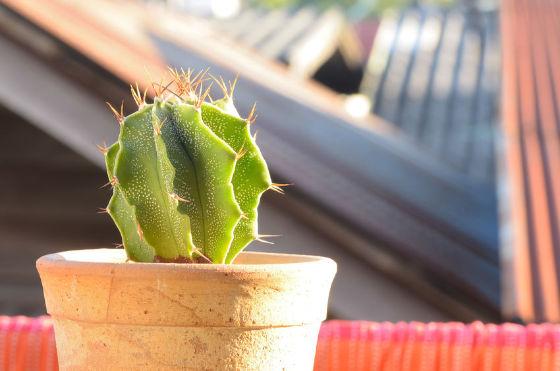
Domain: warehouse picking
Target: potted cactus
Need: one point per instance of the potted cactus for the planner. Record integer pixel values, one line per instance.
(187, 177)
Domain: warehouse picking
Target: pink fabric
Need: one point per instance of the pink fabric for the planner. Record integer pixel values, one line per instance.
(28, 344)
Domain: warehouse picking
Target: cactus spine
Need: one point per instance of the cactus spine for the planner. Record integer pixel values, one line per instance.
(187, 176)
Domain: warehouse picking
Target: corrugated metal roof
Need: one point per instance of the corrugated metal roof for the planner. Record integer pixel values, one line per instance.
(434, 74)
(304, 38)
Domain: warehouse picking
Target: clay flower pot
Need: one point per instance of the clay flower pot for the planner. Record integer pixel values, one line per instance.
(261, 313)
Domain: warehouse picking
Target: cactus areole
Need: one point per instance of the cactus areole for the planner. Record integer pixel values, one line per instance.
(186, 174)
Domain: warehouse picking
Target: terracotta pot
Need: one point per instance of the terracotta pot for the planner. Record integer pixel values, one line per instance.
(261, 313)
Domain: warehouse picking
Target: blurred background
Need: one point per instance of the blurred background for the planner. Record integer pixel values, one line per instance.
(386, 115)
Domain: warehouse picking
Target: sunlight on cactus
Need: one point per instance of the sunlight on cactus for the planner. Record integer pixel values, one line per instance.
(187, 175)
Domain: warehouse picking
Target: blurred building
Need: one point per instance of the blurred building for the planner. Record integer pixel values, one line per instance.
(404, 198)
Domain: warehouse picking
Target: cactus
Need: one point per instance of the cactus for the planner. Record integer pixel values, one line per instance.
(187, 175)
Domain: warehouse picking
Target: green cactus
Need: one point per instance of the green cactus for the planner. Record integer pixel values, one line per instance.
(187, 176)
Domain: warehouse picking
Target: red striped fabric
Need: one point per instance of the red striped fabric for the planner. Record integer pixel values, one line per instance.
(361, 345)
(28, 344)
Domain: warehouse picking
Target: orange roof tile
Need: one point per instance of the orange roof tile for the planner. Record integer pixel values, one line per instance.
(531, 123)
(131, 59)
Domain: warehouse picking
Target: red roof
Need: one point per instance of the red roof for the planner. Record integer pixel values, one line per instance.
(531, 127)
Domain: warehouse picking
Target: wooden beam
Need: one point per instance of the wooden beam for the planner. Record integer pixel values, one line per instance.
(54, 104)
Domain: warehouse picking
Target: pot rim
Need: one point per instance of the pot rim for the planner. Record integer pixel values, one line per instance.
(103, 259)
